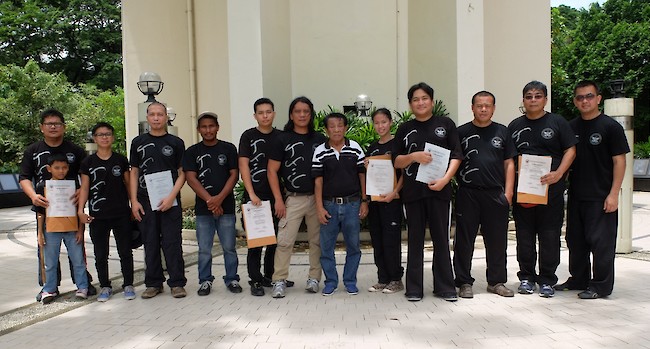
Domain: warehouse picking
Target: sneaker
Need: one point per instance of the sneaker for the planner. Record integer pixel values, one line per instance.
(91, 289)
(39, 295)
(465, 291)
(525, 287)
(151, 292)
(205, 288)
(48, 297)
(82, 293)
(279, 289)
(129, 292)
(329, 290)
(501, 290)
(589, 294)
(312, 285)
(234, 287)
(267, 282)
(546, 291)
(411, 298)
(378, 287)
(352, 290)
(105, 294)
(393, 287)
(448, 296)
(256, 288)
(178, 292)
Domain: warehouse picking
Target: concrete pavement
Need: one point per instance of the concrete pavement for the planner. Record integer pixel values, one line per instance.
(303, 320)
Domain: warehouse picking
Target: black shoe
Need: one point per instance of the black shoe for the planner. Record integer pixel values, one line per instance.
(267, 282)
(205, 288)
(91, 290)
(589, 294)
(234, 287)
(567, 286)
(289, 283)
(256, 288)
(448, 296)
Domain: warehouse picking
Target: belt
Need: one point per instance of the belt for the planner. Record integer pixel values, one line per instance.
(340, 200)
(293, 193)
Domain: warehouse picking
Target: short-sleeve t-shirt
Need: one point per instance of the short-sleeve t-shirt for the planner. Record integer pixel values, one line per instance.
(294, 151)
(592, 171)
(340, 170)
(484, 149)
(255, 146)
(153, 154)
(411, 137)
(549, 135)
(212, 165)
(108, 197)
(36, 156)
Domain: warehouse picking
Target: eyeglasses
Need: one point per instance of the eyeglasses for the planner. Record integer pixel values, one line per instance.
(588, 96)
(53, 124)
(531, 97)
(101, 135)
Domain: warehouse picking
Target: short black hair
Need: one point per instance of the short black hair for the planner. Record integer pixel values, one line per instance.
(420, 86)
(335, 115)
(484, 94)
(381, 111)
(535, 85)
(585, 83)
(100, 125)
(261, 101)
(57, 157)
(51, 112)
(157, 103)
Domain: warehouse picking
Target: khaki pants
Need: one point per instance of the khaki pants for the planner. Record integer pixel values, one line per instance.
(297, 208)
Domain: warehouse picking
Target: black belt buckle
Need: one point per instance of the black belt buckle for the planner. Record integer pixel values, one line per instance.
(339, 200)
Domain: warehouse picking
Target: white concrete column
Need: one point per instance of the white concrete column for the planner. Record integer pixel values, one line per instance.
(470, 55)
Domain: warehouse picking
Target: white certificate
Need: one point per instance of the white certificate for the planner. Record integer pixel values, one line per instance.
(159, 186)
(437, 168)
(380, 177)
(532, 168)
(60, 197)
(258, 222)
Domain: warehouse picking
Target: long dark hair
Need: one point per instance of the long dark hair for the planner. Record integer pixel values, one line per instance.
(302, 99)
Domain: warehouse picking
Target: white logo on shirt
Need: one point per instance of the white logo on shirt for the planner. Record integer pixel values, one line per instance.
(595, 139)
(548, 133)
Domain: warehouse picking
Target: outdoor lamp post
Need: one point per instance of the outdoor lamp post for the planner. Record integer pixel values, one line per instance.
(171, 116)
(150, 85)
(363, 105)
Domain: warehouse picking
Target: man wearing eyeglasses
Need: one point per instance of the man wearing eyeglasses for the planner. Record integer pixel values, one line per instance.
(595, 182)
(33, 173)
(541, 133)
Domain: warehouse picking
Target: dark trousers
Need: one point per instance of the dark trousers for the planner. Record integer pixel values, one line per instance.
(487, 208)
(418, 214)
(100, 231)
(162, 230)
(591, 230)
(385, 223)
(254, 256)
(543, 223)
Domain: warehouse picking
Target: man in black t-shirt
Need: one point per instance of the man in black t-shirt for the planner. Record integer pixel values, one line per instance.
(211, 170)
(427, 202)
(254, 147)
(33, 172)
(544, 134)
(486, 180)
(159, 154)
(594, 186)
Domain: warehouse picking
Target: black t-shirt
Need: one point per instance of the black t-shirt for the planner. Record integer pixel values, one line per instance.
(36, 156)
(549, 135)
(152, 154)
(108, 196)
(294, 151)
(212, 165)
(592, 172)
(256, 146)
(411, 137)
(340, 171)
(484, 149)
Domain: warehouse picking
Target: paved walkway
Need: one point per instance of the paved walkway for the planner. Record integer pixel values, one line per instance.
(303, 320)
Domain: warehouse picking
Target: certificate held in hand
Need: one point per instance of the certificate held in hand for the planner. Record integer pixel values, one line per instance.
(437, 168)
(380, 176)
(61, 213)
(530, 190)
(258, 223)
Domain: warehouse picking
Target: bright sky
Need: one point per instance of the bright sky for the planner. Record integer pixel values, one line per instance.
(575, 3)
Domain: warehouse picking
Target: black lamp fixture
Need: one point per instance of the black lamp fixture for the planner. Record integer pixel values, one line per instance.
(617, 87)
(150, 85)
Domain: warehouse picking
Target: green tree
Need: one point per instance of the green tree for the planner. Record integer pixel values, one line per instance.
(81, 38)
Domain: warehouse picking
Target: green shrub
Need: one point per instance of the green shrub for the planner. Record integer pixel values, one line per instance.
(642, 150)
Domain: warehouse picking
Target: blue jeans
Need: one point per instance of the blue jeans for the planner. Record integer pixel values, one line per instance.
(51, 252)
(225, 228)
(344, 218)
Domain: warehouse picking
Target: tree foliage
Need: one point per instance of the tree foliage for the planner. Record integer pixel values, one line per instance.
(81, 38)
(26, 91)
(603, 43)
